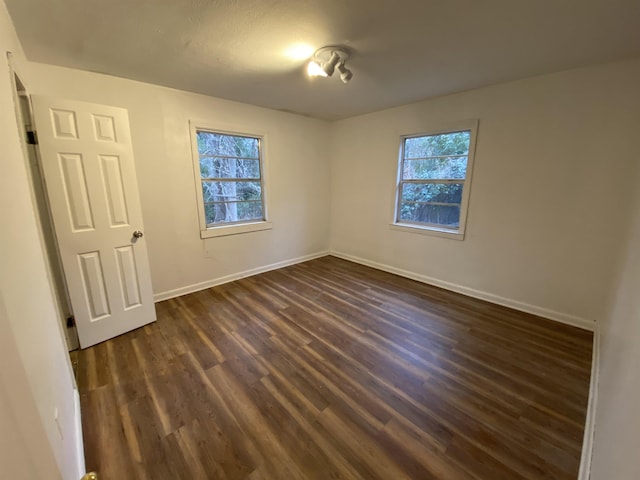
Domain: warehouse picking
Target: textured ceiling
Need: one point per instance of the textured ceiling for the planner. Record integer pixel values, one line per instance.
(403, 50)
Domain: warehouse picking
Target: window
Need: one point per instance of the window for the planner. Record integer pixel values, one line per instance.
(229, 180)
(434, 181)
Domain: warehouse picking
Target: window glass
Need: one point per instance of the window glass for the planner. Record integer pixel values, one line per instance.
(231, 177)
(433, 180)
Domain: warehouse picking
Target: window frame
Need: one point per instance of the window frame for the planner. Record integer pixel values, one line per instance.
(243, 226)
(434, 229)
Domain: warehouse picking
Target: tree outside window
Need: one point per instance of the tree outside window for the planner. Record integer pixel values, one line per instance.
(231, 177)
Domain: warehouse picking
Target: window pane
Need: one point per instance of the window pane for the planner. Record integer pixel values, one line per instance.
(233, 212)
(250, 211)
(432, 192)
(220, 144)
(435, 168)
(443, 215)
(456, 143)
(231, 191)
(230, 173)
(213, 213)
(216, 167)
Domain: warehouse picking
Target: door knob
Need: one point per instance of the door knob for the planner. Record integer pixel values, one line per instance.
(90, 476)
(138, 234)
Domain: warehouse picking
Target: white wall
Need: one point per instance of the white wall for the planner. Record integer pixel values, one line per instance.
(296, 166)
(35, 375)
(553, 173)
(556, 164)
(617, 420)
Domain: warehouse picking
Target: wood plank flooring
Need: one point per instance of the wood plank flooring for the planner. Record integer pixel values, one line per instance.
(332, 370)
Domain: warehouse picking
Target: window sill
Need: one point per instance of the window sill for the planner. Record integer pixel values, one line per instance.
(224, 230)
(423, 230)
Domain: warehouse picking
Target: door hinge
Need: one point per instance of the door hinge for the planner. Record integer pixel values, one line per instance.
(32, 137)
(71, 322)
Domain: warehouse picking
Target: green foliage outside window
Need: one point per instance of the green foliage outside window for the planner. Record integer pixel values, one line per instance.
(434, 168)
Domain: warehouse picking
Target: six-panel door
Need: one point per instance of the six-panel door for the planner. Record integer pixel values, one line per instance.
(89, 171)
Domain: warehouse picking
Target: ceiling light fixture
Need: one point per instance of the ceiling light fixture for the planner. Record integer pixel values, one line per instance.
(315, 70)
(345, 73)
(326, 60)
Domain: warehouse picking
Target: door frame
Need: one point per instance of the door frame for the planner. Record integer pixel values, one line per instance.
(42, 211)
(25, 412)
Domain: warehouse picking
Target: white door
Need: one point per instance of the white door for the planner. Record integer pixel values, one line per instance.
(90, 177)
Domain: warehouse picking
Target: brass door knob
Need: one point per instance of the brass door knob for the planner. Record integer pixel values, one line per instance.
(90, 476)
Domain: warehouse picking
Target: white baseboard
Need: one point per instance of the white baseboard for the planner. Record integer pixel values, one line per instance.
(590, 421)
(196, 287)
(81, 467)
(471, 292)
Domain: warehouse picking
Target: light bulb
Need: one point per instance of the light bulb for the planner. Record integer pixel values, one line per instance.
(330, 65)
(315, 70)
(345, 73)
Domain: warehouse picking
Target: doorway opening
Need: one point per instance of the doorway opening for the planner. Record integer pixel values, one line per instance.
(43, 215)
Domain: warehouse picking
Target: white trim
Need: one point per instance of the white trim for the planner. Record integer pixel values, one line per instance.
(224, 230)
(241, 227)
(424, 230)
(81, 467)
(590, 421)
(565, 318)
(196, 287)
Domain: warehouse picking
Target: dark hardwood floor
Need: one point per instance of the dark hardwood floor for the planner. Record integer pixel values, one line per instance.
(332, 370)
